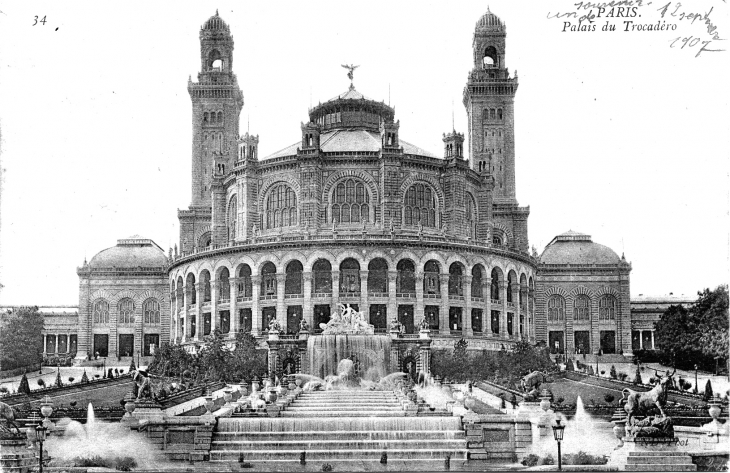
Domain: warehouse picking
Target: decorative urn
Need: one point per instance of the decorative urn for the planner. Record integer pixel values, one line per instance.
(209, 404)
(545, 400)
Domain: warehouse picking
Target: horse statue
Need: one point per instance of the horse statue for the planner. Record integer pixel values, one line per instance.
(144, 386)
(533, 381)
(7, 417)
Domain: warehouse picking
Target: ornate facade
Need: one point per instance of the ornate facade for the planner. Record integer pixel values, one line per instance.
(353, 213)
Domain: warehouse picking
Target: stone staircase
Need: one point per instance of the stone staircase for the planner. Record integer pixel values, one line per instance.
(659, 461)
(340, 426)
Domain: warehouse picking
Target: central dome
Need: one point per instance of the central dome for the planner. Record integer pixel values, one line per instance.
(490, 21)
(351, 110)
(577, 248)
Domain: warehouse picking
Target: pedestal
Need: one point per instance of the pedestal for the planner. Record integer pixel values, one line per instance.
(147, 410)
(14, 455)
(651, 454)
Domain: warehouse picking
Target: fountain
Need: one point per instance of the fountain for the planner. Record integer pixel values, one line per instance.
(348, 337)
(105, 440)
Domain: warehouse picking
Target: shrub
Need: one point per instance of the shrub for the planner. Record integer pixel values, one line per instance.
(95, 461)
(548, 460)
(132, 367)
(652, 380)
(71, 379)
(84, 377)
(608, 397)
(583, 458)
(41, 383)
(603, 372)
(125, 463)
(4, 390)
(97, 376)
(590, 370)
(622, 376)
(560, 400)
(327, 467)
(530, 460)
(613, 373)
(569, 366)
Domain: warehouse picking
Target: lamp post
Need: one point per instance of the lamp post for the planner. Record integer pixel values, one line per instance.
(40, 435)
(697, 388)
(558, 434)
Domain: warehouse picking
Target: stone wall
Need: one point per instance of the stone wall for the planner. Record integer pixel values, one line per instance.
(491, 437)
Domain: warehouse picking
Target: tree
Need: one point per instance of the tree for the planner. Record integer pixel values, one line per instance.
(708, 391)
(21, 339)
(246, 360)
(460, 347)
(84, 378)
(697, 335)
(637, 376)
(24, 387)
(132, 366)
(59, 383)
(613, 372)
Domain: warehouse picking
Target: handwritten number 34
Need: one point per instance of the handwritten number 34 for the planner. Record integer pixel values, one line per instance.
(36, 20)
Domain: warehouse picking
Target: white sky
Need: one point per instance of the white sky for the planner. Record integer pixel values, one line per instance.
(617, 134)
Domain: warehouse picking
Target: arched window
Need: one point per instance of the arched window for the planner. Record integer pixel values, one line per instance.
(126, 311)
(245, 287)
(510, 287)
(490, 57)
(494, 288)
(350, 276)
(471, 216)
(101, 312)
(456, 279)
(322, 276)
(151, 310)
(350, 202)
(582, 308)
(205, 282)
(419, 206)
(220, 117)
(293, 281)
(476, 281)
(406, 278)
(281, 207)
(496, 241)
(268, 279)
(607, 307)
(224, 286)
(232, 217)
(431, 281)
(556, 309)
(378, 276)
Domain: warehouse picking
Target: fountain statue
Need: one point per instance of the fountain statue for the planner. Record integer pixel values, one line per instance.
(347, 321)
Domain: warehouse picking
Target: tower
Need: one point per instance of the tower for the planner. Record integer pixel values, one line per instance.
(217, 102)
(216, 105)
(489, 101)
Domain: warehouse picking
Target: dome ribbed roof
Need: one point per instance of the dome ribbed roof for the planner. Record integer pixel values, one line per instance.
(490, 20)
(133, 252)
(577, 248)
(215, 23)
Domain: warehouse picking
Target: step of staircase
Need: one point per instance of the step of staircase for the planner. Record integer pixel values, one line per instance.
(659, 461)
(337, 455)
(352, 413)
(341, 435)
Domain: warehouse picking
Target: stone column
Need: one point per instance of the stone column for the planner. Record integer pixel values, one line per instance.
(444, 328)
(199, 319)
(173, 317)
(530, 313)
(424, 352)
(641, 339)
(255, 309)
(233, 306)
(466, 321)
(364, 306)
(487, 319)
(215, 287)
(392, 309)
(420, 305)
(308, 307)
(45, 343)
(138, 331)
(280, 301)
(186, 319)
(503, 315)
(335, 292)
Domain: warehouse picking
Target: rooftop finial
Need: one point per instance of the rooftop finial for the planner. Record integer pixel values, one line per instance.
(216, 11)
(350, 75)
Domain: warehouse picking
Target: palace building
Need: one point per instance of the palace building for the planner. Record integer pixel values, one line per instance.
(354, 213)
